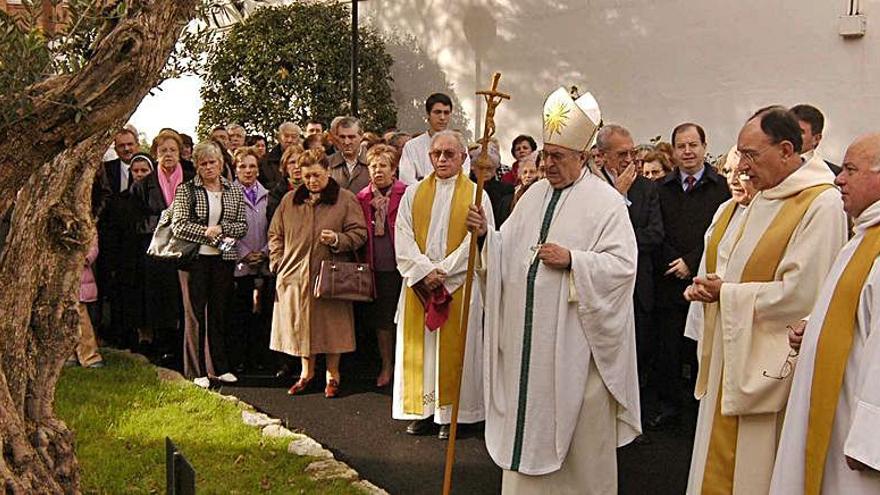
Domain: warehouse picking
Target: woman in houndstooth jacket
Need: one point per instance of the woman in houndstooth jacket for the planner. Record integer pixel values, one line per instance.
(210, 211)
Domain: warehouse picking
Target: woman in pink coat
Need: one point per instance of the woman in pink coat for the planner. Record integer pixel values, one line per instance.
(380, 200)
(87, 349)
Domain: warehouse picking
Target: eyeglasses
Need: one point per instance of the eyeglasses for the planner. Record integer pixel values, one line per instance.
(786, 369)
(548, 157)
(751, 156)
(448, 154)
(627, 155)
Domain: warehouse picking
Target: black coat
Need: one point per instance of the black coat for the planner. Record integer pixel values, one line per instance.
(152, 201)
(270, 168)
(501, 196)
(686, 216)
(647, 222)
(159, 289)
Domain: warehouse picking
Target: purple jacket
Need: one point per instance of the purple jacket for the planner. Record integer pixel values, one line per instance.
(364, 197)
(256, 238)
(88, 289)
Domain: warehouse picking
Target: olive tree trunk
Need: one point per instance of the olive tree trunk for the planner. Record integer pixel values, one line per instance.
(47, 164)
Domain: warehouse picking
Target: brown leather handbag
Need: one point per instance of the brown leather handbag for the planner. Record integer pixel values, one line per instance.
(345, 280)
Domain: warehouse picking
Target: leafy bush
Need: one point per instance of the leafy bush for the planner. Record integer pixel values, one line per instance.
(293, 63)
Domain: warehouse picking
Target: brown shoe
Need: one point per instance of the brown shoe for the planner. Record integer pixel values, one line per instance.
(300, 386)
(332, 389)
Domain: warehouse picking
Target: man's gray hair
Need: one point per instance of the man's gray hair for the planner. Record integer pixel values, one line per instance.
(204, 150)
(605, 133)
(493, 153)
(234, 128)
(289, 125)
(346, 122)
(462, 144)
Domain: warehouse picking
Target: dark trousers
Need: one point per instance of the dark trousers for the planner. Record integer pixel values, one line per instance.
(249, 330)
(671, 352)
(645, 341)
(210, 291)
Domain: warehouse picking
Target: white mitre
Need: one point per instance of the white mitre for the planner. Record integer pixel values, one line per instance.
(571, 123)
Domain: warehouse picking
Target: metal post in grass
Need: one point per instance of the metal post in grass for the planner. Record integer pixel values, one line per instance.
(180, 477)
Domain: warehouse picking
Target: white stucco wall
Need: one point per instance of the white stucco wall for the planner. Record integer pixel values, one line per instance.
(651, 64)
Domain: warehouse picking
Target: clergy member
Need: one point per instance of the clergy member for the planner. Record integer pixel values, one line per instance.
(719, 240)
(784, 248)
(562, 388)
(431, 244)
(415, 164)
(831, 440)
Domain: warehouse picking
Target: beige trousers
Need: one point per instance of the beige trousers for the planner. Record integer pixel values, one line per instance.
(87, 348)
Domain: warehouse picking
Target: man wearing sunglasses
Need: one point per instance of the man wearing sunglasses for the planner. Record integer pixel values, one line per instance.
(786, 245)
(432, 244)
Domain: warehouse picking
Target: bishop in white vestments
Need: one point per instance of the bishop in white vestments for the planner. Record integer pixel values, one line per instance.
(830, 442)
(431, 244)
(783, 249)
(560, 362)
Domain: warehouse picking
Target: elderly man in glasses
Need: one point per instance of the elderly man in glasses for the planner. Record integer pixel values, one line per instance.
(431, 243)
(562, 388)
(618, 153)
(786, 245)
(830, 439)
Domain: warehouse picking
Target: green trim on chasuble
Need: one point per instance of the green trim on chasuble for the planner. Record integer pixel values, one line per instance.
(527, 334)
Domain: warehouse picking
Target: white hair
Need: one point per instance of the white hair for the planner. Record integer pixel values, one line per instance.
(605, 134)
(235, 127)
(493, 153)
(289, 125)
(453, 134)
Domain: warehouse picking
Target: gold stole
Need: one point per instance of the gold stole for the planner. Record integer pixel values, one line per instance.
(710, 310)
(760, 267)
(832, 354)
(414, 317)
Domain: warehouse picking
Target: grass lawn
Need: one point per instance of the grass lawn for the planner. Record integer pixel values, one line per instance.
(122, 413)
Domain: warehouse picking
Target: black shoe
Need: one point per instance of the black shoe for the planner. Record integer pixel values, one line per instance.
(444, 432)
(420, 426)
(662, 420)
(284, 372)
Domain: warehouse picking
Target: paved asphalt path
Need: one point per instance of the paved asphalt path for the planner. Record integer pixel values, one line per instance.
(358, 429)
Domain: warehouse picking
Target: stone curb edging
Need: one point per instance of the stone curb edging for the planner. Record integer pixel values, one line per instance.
(325, 467)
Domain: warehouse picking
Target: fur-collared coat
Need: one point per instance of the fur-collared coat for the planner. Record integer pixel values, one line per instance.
(301, 324)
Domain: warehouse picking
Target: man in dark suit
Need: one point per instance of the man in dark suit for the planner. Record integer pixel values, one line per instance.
(689, 198)
(615, 150)
(812, 123)
(111, 184)
(270, 173)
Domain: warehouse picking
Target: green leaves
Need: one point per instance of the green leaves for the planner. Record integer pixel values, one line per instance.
(293, 63)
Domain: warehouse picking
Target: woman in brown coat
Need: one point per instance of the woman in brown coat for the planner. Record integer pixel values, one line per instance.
(318, 221)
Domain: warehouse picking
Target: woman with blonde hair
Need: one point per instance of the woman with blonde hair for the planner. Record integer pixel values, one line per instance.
(209, 211)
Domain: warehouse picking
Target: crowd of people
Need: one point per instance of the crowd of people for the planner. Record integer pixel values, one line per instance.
(607, 270)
